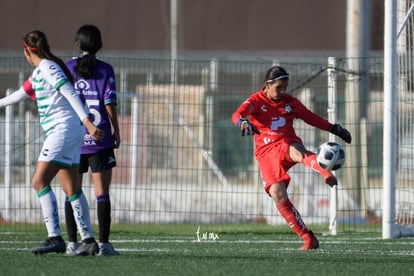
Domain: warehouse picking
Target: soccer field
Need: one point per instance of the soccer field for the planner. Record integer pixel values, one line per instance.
(225, 250)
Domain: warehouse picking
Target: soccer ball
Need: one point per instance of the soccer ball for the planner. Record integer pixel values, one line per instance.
(330, 156)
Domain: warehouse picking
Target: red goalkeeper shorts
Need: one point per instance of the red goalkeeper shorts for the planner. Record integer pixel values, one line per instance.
(274, 166)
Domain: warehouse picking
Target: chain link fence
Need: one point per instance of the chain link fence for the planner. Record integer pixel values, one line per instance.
(182, 160)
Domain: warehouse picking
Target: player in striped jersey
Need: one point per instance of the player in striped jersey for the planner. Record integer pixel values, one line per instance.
(61, 115)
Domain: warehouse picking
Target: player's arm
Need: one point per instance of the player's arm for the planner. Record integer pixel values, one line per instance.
(70, 94)
(313, 119)
(243, 111)
(317, 121)
(113, 117)
(110, 101)
(22, 93)
(14, 97)
(239, 119)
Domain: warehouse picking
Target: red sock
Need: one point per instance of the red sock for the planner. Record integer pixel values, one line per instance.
(292, 217)
(309, 160)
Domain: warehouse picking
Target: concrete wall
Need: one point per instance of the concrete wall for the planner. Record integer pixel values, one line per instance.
(236, 25)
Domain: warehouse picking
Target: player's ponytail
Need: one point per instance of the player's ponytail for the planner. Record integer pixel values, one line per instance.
(89, 41)
(36, 42)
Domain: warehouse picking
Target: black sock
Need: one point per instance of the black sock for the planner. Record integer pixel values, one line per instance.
(104, 217)
(71, 226)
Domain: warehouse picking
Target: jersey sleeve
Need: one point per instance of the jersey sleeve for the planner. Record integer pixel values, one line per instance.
(53, 73)
(14, 97)
(311, 118)
(68, 91)
(110, 96)
(244, 110)
(28, 88)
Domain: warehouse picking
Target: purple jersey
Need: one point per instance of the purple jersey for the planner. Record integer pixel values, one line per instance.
(97, 92)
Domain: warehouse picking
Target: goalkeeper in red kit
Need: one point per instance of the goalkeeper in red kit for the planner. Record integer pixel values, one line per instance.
(271, 112)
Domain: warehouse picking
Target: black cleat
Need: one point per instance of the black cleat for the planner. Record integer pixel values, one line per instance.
(88, 247)
(51, 244)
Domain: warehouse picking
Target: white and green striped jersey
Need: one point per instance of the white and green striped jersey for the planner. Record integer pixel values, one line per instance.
(53, 107)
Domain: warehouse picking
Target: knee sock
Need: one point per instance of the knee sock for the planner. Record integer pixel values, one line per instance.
(71, 227)
(309, 160)
(104, 217)
(81, 213)
(292, 217)
(48, 203)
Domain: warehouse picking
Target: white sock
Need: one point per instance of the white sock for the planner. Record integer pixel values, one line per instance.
(81, 213)
(49, 206)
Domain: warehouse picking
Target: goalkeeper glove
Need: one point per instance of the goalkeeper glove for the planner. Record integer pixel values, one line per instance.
(343, 133)
(247, 127)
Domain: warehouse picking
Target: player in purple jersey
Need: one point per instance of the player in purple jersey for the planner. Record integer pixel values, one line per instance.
(95, 83)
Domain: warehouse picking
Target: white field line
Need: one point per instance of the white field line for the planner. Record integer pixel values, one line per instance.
(407, 252)
(330, 240)
(221, 240)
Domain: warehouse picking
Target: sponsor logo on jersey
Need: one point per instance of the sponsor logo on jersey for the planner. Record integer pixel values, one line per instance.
(82, 85)
(267, 140)
(277, 122)
(54, 71)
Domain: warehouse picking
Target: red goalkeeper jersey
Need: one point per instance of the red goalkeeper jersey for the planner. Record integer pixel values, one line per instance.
(274, 119)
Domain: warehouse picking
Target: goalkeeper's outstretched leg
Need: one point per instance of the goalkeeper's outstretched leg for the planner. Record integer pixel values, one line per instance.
(309, 160)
